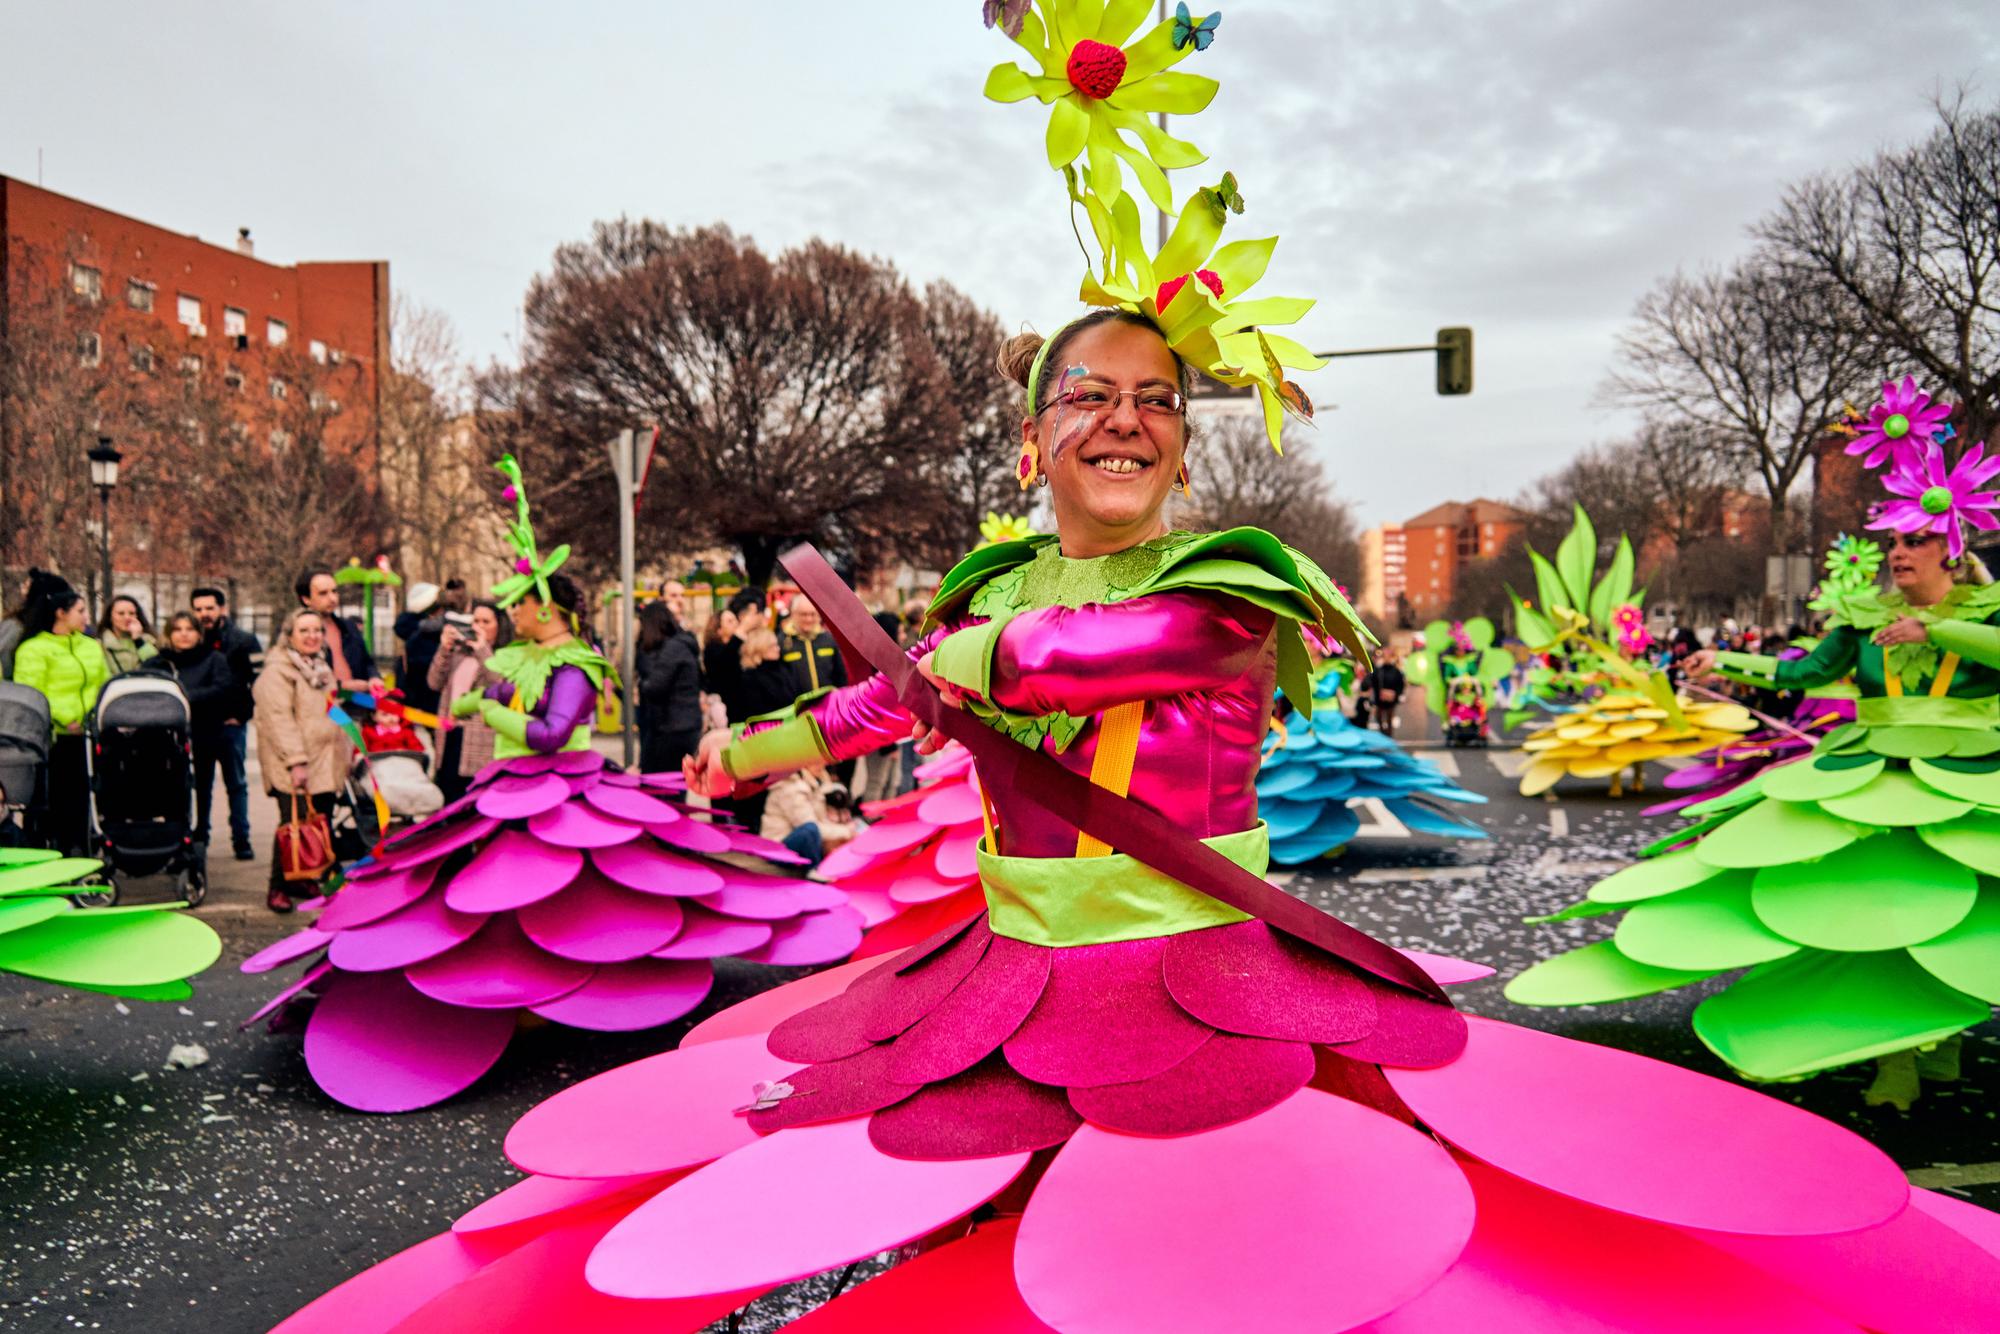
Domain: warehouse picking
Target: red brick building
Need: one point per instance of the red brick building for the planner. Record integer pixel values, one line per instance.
(141, 303)
(1438, 543)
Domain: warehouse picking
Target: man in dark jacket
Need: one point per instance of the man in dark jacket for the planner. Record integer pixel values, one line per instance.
(809, 652)
(346, 647)
(245, 658)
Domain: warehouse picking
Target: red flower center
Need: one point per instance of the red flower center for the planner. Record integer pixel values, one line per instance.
(1172, 287)
(1095, 68)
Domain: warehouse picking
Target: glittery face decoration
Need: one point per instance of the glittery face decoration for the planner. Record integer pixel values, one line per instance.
(1070, 424)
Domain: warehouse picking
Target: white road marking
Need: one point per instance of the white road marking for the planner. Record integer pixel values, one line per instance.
(1282, 878)
(1508, 762)
(1379, 823)
(1445, 760)
(1558, 823)
(1551, 863)
(1376, 875)
(1944, 1176)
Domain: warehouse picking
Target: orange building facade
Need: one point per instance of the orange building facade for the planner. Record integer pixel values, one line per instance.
(1438, 543)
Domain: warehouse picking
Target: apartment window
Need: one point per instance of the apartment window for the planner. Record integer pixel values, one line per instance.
(187, 309)
(281, 440)
(142, 358)
(190, 365)
(138, 294)
(233, 379)
(86, 282)
(89, 347)
(235, 323)
(278, 389)
(275, 332)
(317, 350)
(335, 355)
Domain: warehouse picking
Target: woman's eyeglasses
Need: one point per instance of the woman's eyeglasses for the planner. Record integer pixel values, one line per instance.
(1093, 397)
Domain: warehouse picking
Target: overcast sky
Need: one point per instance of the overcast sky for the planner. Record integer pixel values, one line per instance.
(1528, 167)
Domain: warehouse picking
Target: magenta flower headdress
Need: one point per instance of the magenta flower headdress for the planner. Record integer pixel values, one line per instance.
(1903, 422)
(1934, 499)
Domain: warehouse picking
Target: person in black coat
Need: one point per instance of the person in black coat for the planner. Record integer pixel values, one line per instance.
(208, 683)
(669, 690)
(244, 657)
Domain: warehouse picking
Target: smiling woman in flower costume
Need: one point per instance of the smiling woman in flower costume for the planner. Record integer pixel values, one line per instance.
(1855, 886)
(1112, 1103)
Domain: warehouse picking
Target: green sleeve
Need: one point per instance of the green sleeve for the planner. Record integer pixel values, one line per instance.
(791, 744)
(505, 721)
(31, 665)
(1834, 658)
(1974, 641)
(965, 657)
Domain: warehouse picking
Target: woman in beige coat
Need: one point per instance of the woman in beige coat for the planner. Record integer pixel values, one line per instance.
(303, 754)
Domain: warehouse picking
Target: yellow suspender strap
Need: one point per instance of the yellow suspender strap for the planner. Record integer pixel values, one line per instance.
(1111, 767)
(1892, 680)
(1946, 670)
(986, 816)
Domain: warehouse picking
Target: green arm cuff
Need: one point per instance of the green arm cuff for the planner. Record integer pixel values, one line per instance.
(965, 657)
(505, 721)
(1757, 669)
(1969, 640)
(467, 704)
(790, 745)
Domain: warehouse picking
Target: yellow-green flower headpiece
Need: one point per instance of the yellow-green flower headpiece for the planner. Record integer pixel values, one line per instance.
(531, 569)
(1100, 84)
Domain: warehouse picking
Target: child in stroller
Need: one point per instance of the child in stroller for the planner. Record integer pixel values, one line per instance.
(394, 762)
(1465, 712)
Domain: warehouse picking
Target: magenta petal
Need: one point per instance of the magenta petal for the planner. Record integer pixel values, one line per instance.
(624, 803)
(758, 846)
(307, 979)
(643, 866)
(717, 1230)
(985, 1111)
(295, 946)
(1246, 978)
(380, 1296)
(409, 935)
(920, 989)
(810, 938)
(836, 1027)
(596, 921)
(518, 798)
(1105, 1018)
(376, 1044)
(914, 887)
(619, 778)
(1410, 1031)
(417, 851)
(709, 935)
(759, 898)
(892, 835)
(362, 901)
(1566, 1115)
(513, 870)
(575, 825)
(540, 1199)
(978, 1016)
(624, 997)
(1227, 1079)
(694, 836)
(1322, 1215)
(500, 968)
(762, 1013)
(659, 1114)
(579, 784)
(958, 855)
(956, 804)
(833, 1091)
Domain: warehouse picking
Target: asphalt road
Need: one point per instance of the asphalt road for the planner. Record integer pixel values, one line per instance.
(222, 1197)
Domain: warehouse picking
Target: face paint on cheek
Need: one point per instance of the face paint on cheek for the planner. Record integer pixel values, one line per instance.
(1070, 425)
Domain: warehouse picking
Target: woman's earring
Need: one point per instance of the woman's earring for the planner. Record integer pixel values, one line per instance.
(1181, 482)
(1029, 470)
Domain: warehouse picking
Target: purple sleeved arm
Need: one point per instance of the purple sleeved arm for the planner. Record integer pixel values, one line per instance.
(500, 692)
(569, 698)
(1084, 660)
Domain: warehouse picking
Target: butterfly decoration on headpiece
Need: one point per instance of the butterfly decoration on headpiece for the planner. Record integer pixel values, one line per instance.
(1102, 79)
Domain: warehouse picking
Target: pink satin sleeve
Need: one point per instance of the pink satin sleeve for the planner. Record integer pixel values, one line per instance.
(1084, 660)
(864, 717)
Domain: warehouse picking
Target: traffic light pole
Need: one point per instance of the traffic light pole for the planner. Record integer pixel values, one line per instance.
(1454, 357)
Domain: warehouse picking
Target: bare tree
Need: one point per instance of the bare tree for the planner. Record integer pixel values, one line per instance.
(1911, 245)
(433, 463)
(1238, 480)
(1691, 475)
(978, 439)
(1615, 483)
(1761, 357)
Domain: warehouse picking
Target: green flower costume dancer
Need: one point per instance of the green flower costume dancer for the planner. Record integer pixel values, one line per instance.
(1857, 885)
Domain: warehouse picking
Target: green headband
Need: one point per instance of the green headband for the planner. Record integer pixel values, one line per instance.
(1041, 364)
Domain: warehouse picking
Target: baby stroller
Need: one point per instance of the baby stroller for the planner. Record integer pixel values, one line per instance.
(1465, 712)
(396, 764)
(142, 785)
(25, 728)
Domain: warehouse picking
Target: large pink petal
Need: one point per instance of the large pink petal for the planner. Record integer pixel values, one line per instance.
(646, 867)
(758, 898)
(539, 1200)
(625, 997)
(295, 946)
(1649, 1139)
(987, 1110)
(1980, 1226)
(1410, 1030)
(1246, 978)
(1228, 1078)
(762, 1013)
(624, 803)
(513, 870)
(1105, 1018)
(1316, 1215)
(517, 798)
(377, 1044)
(428, 847)
(576, 825)
(956, 804)
(307, 979)
(1541, 1263)
(957, 856)
(922, 987)
(833, 1091)
(976, 1018)
(598, 921)
(661, 1114)
(890, 836)
(423, 930)
(791, 1204)
(693, 836)
(710, 935)
(362, 901)
(381, 1295)
(500, 968)
(966, 1287)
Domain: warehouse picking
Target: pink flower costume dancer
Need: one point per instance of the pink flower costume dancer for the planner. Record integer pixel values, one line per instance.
(558, 887)
(1113, 1104)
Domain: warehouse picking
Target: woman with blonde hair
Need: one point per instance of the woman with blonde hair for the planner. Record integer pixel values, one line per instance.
(302, 752)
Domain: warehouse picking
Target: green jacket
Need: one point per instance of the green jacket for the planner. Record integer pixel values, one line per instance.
(124, 654)
(69, 669)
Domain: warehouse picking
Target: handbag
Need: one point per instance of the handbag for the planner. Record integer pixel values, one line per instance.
(305, 846)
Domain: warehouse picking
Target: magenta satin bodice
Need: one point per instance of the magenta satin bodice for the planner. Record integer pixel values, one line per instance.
(1205, 665)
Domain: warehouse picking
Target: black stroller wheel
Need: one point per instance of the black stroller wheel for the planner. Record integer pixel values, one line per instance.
(97, 896)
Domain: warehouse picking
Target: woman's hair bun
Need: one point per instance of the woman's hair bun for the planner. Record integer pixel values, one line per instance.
(1017, 357)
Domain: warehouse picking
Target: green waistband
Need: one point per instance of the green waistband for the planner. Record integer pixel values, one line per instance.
(1092, 900)
(1929, 711)
(505, 748)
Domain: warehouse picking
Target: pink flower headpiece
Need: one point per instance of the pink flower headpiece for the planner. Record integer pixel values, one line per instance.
(1898, 427)
(1461, 642)
(1934, 499)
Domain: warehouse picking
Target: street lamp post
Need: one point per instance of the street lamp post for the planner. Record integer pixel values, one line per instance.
(104, 476)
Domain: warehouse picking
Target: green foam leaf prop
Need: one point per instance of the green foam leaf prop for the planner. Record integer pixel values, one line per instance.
(1575, 912)
(1909, 743)
(1970, 745)
(45, 875)
(1968, 955)
(1882, 893)
(1980, 786)
(1895, 797)
(1772, 832)
(107, 949)
(1709, 928)
(155, 992)
(1804, 780)
(1815, 1011)
(25, 856)
(1593, 975)
(1972, 839)
(1574, 560)
(1651, 877)
(1614, 590)
(17, 914)
(1549, 590)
